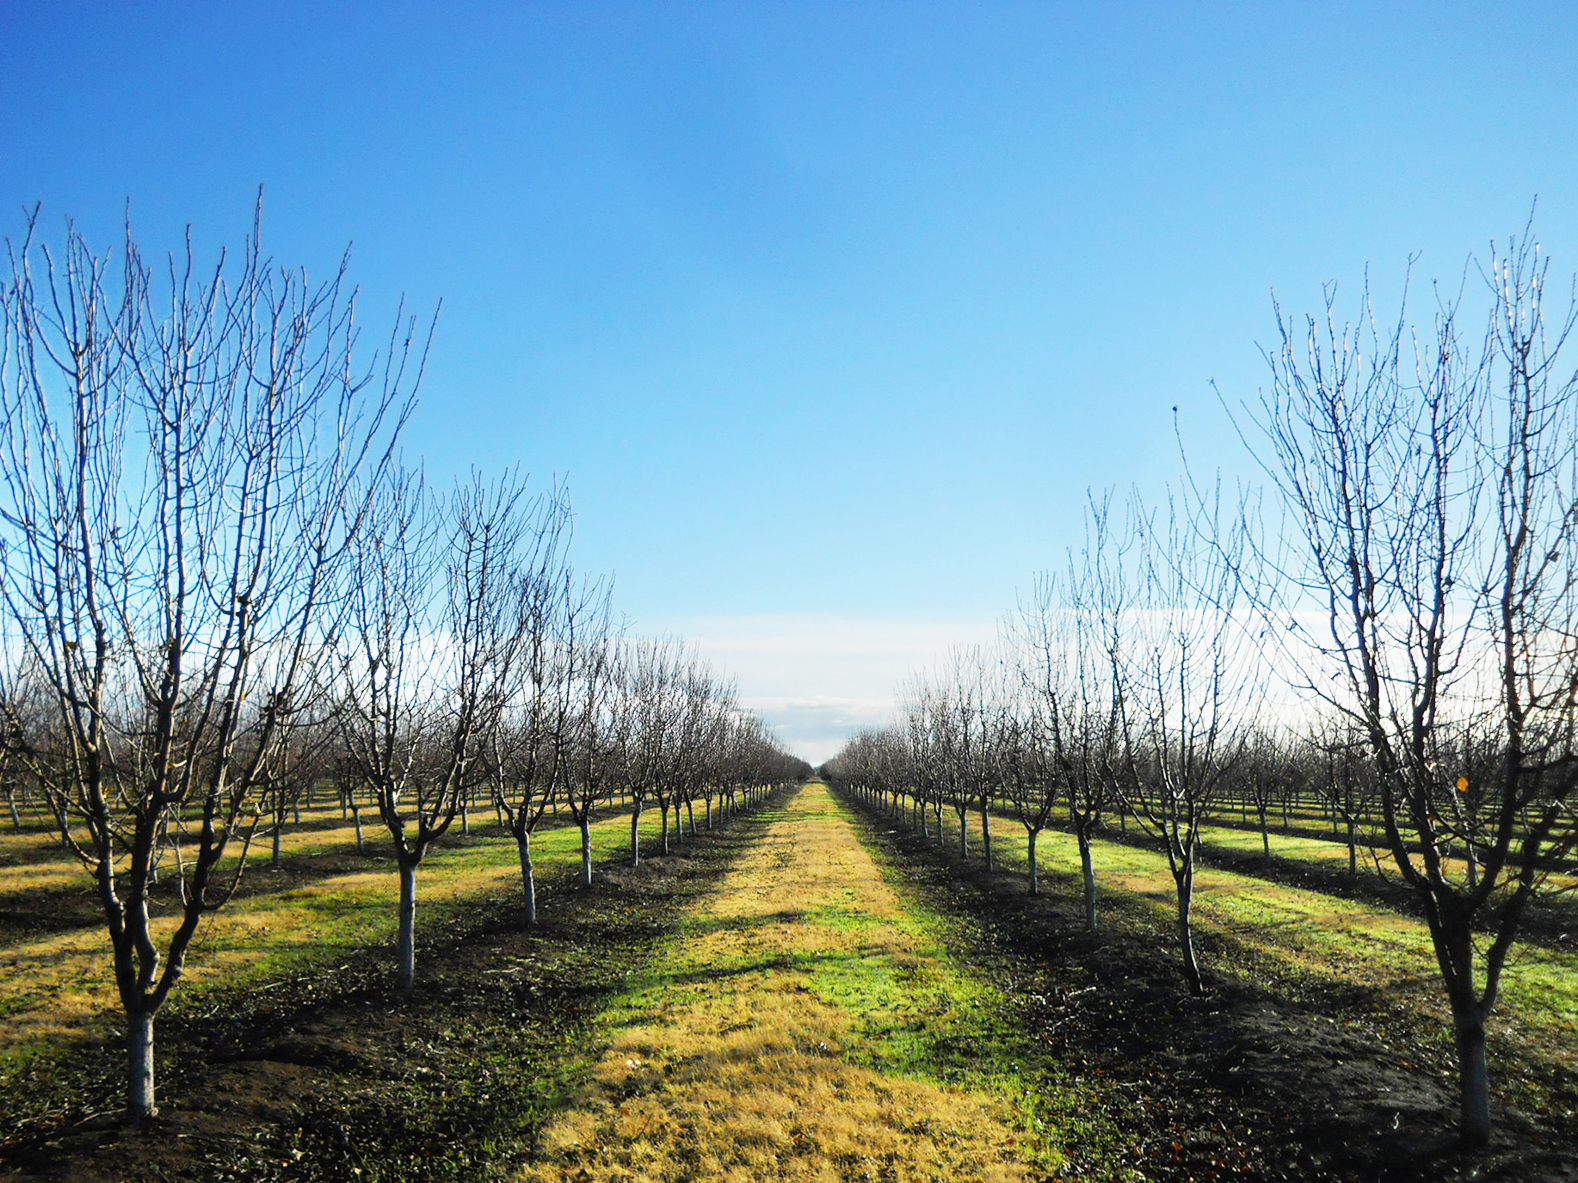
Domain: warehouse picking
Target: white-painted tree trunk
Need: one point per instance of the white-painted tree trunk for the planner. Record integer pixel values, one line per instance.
(586, 849)
(407, 937)
(1088, 870)
(986, 829)
(139, 1066)
(528, 875)
(1473, 1076)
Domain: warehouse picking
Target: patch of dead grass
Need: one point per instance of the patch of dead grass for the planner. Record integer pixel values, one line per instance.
(730, 1060)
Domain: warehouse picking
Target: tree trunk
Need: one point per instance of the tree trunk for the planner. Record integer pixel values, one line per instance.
(1088, 871)
(528, 874)
(1191, 964)
(635, 834)
(663, 809)
(407, 939)
(10, 800)
(139, 1068)
(356, 814)
(1353, 852)
(1265, 834)
(586, 847)
(690, 817)
(1473, 1073)
(279, 824)
(986, 829)
(1035, 873)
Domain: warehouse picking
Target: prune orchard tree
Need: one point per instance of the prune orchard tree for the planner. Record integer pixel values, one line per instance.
(591, 648)
(1337, 760)
(1020, 755)
(431, 643)
(1427, 591)
(184, 455)
(1180, 706)
(646, 688)
(1063, 635)
(529, 742)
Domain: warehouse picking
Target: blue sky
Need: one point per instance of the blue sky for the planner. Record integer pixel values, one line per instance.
(830, 312)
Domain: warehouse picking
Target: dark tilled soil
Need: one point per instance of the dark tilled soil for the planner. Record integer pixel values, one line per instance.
(1270, 1076)
(332, 1075)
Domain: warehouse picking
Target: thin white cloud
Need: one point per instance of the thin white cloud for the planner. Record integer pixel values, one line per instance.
(818, 678)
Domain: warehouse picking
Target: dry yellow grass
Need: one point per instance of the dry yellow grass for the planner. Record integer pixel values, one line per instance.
(767, 1041)
(60, 986)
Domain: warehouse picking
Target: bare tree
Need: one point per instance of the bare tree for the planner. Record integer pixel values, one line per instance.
(1179, 708)
(647, 687)
(426, 658)
(592, 649)
(529, 741)
(1019, 755)
(1065, 634)
(180, 461)
(1427, 591)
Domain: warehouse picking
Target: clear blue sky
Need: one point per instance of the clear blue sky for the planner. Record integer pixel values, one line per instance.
(830, 311)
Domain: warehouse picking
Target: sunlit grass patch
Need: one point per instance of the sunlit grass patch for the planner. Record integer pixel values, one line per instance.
(1342, 943)
(806, 1024)
(58, 988)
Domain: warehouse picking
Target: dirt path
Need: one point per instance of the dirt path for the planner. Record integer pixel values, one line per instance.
(807, 1023)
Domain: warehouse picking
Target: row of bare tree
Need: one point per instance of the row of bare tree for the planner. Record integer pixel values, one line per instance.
(1407, 571)
(221, 585)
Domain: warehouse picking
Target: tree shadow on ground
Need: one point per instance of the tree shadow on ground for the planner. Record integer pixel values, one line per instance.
(1272, 1075)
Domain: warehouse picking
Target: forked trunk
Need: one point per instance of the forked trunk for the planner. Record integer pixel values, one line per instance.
(407, 935)
(528, 874)
(139, 1068)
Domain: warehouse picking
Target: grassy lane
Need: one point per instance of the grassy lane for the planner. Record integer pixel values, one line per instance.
(807, 1022)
